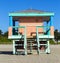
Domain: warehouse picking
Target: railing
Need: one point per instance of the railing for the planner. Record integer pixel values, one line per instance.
(46, 30)
(15, 30)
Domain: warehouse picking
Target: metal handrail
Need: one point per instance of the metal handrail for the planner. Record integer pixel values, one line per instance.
(18, 26)
(42, 26)
(47, 29)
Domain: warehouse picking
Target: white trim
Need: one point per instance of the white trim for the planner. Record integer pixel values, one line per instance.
(45, 36)
(15, 37)
(31, 14)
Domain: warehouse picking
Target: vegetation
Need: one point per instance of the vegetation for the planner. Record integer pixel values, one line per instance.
(51, 41)
(4, 38)
(57, 36)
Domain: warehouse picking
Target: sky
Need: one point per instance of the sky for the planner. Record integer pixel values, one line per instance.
(7, 6)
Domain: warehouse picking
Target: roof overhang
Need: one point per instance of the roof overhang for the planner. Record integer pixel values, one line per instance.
(32, 14)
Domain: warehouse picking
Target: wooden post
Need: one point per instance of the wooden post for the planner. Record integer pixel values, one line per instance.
(48, 47)
(25, 41)
(30, 46)
(14, 49)
(38, 51)
(51, 21)
(10, 21)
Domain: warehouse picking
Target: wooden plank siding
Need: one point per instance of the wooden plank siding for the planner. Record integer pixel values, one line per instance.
(30, 24)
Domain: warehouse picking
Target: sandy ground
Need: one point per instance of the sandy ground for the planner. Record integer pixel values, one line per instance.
(7, 57)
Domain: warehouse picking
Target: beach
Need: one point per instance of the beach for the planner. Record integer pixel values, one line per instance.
(6, 56)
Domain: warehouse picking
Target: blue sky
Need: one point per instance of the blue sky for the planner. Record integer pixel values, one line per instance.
(7, 6)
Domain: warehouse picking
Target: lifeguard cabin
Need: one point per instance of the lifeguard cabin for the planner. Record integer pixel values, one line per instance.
(31, 30)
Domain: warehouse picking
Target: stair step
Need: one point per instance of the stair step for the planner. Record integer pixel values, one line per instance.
(42, 44)
(19, 44)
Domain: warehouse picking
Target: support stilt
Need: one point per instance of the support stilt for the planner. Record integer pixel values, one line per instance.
(25, 42)
(38, 51)
(30, 46)
(48, 47)
(14, 49)
(25, 46)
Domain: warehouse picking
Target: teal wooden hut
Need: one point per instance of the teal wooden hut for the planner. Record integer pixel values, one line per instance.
(31, 30)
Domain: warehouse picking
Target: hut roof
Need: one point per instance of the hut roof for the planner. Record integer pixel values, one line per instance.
(31, 12)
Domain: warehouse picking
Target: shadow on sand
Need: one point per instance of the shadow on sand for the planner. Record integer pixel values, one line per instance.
(11, 53)
(6, 52)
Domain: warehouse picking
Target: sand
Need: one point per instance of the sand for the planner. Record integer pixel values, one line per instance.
(7, 57)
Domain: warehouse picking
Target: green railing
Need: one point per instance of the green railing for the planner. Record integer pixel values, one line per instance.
(15, 30)
(18, 27)
(46, 30)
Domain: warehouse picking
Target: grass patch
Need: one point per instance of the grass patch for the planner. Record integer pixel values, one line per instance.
(5, 40)
(51, 41)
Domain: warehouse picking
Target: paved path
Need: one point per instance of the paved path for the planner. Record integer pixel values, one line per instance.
(7, 57)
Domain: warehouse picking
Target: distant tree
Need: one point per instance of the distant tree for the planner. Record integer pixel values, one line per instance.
(1, 32)
(56, 35)
(5, 34)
